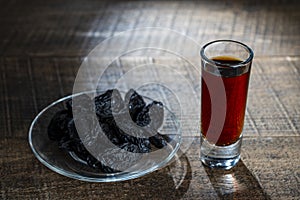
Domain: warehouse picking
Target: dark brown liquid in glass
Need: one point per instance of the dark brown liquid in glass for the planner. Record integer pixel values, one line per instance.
(236, 96)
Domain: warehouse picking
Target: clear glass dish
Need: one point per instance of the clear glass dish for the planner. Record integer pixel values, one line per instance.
(65, 163)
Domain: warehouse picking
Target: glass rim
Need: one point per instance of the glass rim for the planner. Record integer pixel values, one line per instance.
(244, 62)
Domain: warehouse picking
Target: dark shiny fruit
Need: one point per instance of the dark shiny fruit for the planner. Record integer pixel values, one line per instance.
(135, 103)
(151, 116)
(108, 103)
(128, 124)
(158, 141)
(58, 126)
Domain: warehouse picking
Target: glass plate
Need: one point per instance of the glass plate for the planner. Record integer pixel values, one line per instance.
(65, 163)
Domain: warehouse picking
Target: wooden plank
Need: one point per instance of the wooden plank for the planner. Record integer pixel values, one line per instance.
(273, 103)
(43, 44)
(27, 86)
(265, 171)
(270, 163)
(74, 28)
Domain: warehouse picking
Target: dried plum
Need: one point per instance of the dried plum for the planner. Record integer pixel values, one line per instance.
(111, 133)
(135, 103)
(107, 169)
(158, 141)
(119, 159)
(143, 118)
(96, 164)
(69, 105)
(118, 137)
(141, 145)
(72, 130)
(83, 104)
(130, 147)
(108, 103)
(65, 143)
(136, 118)
(167, 137)
(144, 146)
(152, 116)
(156, 112)
(127, 126)
(93, 162)
(58, 126)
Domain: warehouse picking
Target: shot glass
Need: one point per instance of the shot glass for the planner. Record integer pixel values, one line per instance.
(226, 66)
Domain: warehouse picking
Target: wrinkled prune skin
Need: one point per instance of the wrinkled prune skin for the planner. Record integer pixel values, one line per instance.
(94, 163)
(133, 116)
(141, 145)
(151, 116)
(143, 118)
(80, 100)
(158, 141)
(135, 103)
(108, 103)
(117, 158)
(110, 131)
(131, 147)
(167, 138)
(156, 112)
(69, 106)
(118, 137)
(75, 143)
(123, 122)
(58, 126)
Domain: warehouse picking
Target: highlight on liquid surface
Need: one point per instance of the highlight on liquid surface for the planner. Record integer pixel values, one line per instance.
(226, 60)
(236, 88)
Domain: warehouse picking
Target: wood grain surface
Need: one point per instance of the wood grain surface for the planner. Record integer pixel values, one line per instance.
(43, 43)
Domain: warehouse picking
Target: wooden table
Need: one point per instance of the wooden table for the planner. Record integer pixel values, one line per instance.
(42, 45)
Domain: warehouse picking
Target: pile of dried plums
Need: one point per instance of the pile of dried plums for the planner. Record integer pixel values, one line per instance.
(132, 113)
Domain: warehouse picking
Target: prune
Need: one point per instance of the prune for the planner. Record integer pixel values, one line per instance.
(110, 133)
(58, 126)
(83, 104)
(118, 137)
(152, 116)
(135, 103)
(76, 143)
(65, 143)
(142, 147)
(69, 105)
(118, 159)
(107, 169)
(95, 164)
(79, 149)
(72, 130)
(136, 118)
(158, 141)
(126, 125)
(130, 147)
(167, 137)
(108, 103)
(156, 112)
(143, 118)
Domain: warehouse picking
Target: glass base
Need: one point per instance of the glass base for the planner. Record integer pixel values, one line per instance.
(224, 157)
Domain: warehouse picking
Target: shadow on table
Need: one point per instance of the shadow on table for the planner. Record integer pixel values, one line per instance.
(170, 182)
(236, 183)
